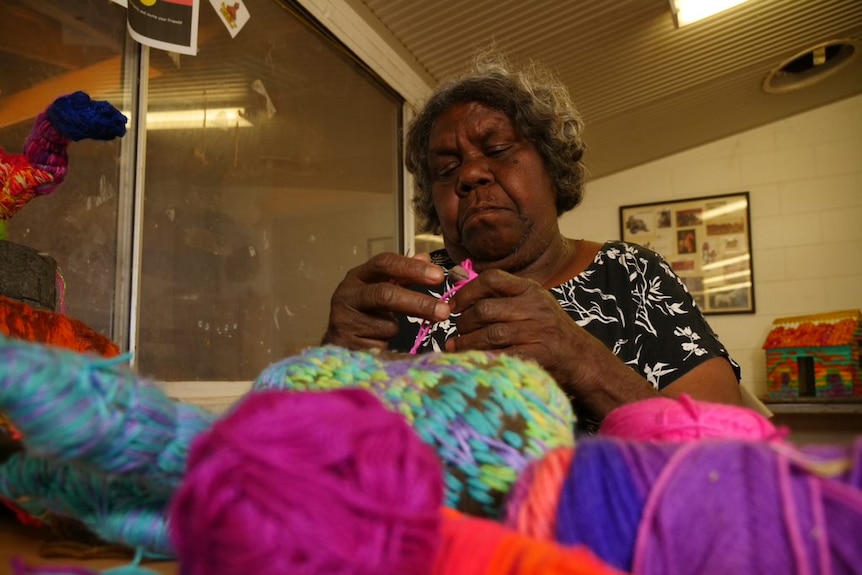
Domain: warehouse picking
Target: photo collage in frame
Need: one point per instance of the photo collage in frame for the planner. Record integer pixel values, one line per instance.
(707, 242)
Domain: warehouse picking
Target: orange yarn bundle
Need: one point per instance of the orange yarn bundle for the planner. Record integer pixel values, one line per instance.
(475, 546)
(21, 321)
(533, 502)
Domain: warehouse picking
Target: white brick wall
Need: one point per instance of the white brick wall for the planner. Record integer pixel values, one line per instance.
(804, 176)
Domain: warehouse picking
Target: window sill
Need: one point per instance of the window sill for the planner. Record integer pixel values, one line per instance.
(816, 406)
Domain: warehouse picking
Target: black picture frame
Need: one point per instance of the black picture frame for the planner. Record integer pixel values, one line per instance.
(707, 242)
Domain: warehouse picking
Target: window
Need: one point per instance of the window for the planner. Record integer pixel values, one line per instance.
(270, 161)
(49, 49)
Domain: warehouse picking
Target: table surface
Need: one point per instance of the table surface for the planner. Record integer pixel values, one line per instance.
(23, 542)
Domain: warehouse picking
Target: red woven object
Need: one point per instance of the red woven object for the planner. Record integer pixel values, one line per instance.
(22, 321)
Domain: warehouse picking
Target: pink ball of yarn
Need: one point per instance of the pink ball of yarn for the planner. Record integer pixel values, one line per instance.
(309, 482)
(685, 419)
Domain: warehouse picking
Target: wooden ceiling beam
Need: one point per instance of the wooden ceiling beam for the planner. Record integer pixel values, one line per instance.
(98, 80)
(25, 35)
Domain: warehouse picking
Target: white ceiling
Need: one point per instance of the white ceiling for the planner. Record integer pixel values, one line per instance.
(645, 88)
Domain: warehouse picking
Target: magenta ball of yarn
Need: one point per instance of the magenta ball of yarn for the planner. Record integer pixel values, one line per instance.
(685, 419)
(291, 483)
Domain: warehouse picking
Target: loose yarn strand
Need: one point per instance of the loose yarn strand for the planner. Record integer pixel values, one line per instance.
(821, 527)
(790, 512)
(61, 290)
(425, 329)
(646, 527)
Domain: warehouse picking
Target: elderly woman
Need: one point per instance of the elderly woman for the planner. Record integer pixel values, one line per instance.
(496, 156)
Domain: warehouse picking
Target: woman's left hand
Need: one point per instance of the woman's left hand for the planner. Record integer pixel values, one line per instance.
(502, 312)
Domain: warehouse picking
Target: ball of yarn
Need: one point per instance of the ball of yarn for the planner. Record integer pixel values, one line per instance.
(685, 419)
(531, 508)
(303, 482)
(477, 546)
(486, 415)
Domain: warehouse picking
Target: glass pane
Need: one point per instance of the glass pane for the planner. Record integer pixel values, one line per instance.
(272, 167)
(49, 49)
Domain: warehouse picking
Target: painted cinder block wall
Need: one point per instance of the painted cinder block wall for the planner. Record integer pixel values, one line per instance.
(804, 175)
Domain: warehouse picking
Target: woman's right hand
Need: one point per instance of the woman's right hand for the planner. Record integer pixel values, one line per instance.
(363, 308)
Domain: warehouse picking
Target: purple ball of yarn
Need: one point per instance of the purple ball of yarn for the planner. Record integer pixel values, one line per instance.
(309, 482)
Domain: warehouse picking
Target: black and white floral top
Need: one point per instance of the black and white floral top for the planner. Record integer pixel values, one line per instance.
(630, 299)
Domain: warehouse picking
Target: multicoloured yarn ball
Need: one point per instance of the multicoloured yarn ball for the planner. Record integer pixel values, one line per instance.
(302, 483)
(486, 415)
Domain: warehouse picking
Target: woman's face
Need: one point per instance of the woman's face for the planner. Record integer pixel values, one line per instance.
(490, 189)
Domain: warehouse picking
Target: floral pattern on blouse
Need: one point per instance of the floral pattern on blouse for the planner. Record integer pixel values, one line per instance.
(630, 299)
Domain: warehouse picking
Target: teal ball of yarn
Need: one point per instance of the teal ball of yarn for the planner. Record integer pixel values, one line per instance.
(486, 415)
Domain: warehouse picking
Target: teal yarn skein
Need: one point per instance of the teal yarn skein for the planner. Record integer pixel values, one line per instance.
(487, 415)
(78, 407)
(117, 509)
(101, 444)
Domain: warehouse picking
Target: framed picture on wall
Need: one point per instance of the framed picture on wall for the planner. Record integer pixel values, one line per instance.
(707, 242)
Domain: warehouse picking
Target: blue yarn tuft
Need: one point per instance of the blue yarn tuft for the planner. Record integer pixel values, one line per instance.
(78, 117)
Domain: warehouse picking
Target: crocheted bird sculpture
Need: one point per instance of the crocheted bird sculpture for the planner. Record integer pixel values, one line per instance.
(44, 163)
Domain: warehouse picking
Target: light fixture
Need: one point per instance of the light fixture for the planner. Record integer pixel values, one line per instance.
(812, 65)
(689, 11)
(224, 118)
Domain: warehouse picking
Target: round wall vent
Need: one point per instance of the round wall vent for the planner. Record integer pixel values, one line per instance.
(811, 66)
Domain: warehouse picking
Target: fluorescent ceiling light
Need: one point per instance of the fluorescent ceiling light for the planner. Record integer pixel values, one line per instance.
(688, 11)
(224, 118)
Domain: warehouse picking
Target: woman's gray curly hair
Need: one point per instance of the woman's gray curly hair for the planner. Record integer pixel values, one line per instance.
(538, 105)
